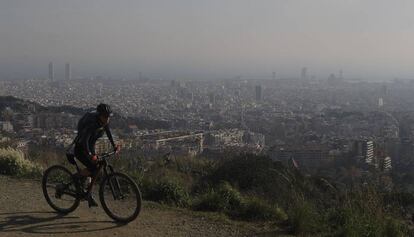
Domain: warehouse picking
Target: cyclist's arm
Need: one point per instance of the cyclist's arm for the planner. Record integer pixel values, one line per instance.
(84, 139)
(109, 134)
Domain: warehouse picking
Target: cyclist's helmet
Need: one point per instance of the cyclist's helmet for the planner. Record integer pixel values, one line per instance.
(104, 109)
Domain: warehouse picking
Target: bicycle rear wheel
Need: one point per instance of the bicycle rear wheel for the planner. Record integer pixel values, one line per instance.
(60, 190)
(120, 197)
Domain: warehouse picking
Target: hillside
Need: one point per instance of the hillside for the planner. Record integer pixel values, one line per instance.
(25, 212)
(20, 106)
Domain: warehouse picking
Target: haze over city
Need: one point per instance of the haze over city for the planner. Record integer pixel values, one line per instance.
(215, 118)
(207, 39)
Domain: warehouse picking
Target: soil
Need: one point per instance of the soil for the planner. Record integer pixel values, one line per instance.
(24, 212)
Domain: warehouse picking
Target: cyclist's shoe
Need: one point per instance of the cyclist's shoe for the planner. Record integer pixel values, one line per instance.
(92, 202)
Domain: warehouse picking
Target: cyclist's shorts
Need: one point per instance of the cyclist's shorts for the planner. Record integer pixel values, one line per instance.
(85, 160)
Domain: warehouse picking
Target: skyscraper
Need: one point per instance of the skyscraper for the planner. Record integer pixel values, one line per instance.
(258, 92)
(380, 102)
(67, 72)
(384, 90)
(274, 75)
(304, 75)
(51, 72)
(364, 150)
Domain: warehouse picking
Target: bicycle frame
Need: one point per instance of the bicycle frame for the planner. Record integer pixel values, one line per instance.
(102, 164)
(105, 166)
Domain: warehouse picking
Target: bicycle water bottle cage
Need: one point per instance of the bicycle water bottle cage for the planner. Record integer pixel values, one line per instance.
(71, 158)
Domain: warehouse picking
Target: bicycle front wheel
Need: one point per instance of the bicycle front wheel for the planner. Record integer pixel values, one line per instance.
(60, 190)
(120, 197)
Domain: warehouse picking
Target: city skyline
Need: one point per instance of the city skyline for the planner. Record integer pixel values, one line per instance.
(67, 75)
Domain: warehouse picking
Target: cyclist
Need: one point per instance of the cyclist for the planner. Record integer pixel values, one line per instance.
(91, 127)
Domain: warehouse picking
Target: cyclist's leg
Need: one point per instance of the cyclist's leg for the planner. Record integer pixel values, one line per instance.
(91, 166)
(91, 170)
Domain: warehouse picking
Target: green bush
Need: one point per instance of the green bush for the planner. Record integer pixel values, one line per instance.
(304, 218)
(357, 222)
(257, 209)
(223, 198)
(394, 228)
(362, 213)
(12, 162)
(227, 199)
(353, 222)
(137, 177)
(166, 192)
(231, 196)
(255, 174)
(209, 201)
(247, 171)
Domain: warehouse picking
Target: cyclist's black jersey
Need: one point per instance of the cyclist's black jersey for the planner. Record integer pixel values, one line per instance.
(89, 130)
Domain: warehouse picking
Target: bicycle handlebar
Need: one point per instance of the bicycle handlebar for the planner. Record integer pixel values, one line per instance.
(104, 156)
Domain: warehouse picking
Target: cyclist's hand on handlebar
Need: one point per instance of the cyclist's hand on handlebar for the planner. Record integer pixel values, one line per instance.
(95, 159)
(117, 149)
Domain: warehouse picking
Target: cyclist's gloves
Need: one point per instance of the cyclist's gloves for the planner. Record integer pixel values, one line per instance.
(117, 149)
(94, 158)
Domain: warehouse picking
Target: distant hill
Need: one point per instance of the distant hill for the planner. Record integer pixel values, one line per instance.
(23, 106)
(16, 104)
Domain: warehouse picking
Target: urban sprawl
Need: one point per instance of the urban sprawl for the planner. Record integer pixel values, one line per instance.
(305, 120)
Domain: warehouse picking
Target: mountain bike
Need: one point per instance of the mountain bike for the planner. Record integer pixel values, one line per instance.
(119, 195)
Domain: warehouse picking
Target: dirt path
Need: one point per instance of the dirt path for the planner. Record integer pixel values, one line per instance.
(24, 212)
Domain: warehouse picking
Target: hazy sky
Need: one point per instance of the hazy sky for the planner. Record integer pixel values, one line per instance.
(208, 38)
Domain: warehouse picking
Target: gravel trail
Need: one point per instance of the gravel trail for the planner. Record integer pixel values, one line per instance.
(24, 212)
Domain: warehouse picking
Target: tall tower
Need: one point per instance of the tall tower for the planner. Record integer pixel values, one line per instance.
(303, 74)
(51, 72)
(274, 75)
(67, 72)
(258, 92)
(384, 90)
(382, 96)
(380, 102)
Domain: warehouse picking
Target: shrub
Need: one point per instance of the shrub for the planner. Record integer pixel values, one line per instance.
(12, 162)
(209, 201)
(393, 228)
(257, 174)
(247, 171)
(257, 209)
(362, 213)
(358, 223)
(353, 222)
(398, 199)
(223, 198)
(303, 218)
(227, 199)
(166, 192)
(137, 177)
(231, 196)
